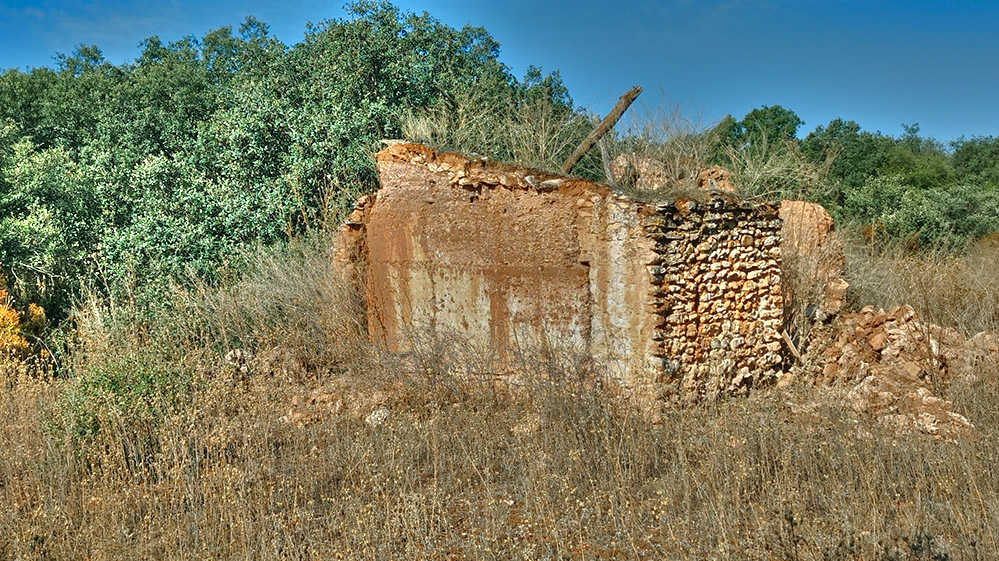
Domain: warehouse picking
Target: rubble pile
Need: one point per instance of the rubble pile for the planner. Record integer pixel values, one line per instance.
(891, 363)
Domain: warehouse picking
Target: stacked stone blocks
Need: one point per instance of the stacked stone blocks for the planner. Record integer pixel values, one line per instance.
(716, 292)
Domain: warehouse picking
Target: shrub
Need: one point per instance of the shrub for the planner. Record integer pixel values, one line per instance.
(49, 224)
(124, 399)
(776, 169)
(666, 142)
(949, 217)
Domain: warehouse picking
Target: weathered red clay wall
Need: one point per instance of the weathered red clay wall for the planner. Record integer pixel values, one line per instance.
(488, 262)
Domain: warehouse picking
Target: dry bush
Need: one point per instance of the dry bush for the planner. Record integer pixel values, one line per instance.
(812, 262)
(533, 133)
(670, 148)
(292, 304)
(802, 290)
(777, 171)
(959, 290)
(131, 368)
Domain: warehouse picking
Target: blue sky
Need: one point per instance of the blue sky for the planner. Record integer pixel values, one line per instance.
(881, 64)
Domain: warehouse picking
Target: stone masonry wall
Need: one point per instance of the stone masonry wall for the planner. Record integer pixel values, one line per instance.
(717, 288)
(675, 297)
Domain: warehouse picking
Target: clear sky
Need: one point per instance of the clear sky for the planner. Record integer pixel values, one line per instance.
(881, 64)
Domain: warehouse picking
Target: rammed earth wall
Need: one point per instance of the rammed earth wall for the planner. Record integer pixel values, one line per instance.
(679, 297)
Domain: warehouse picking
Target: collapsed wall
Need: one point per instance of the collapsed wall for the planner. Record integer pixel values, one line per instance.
(679, 297)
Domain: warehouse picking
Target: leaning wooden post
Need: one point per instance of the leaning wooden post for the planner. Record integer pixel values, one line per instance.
(605, 125)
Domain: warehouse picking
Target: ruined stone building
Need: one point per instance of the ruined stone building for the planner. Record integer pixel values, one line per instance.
(676, 296)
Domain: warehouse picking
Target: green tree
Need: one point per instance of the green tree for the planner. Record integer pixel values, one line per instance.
(851, 155)
(47, 229)
(72, 105)
(772, 124)
(22, 95)
(251, 54)
(158, 109)
(976, 161)
(349, 82)
(922, 161)
(767, 125)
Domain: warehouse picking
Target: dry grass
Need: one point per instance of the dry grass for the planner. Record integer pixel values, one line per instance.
(158, 447)
(274, 468)
(673, 148)
(292, 307)
(959, 290)
(534, 133)
(777, 171)
(538, 135)
(667, 146)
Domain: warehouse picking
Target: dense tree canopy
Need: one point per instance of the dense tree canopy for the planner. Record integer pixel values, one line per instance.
(977, 161)
(910, 187)
(766, 125)
(203, 148)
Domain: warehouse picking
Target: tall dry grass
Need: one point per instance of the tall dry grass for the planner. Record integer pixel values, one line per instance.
(778, 170)
(291, 304)
(276, 468)
(180, 453)
(533, 132)
(664, 142)
(952, 289)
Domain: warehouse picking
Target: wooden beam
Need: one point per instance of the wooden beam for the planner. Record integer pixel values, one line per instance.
(605, 125)
(790, 344)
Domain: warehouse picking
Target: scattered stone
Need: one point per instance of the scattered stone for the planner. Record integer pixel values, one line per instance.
(715, 177)
(377, 417)
(890, 361)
